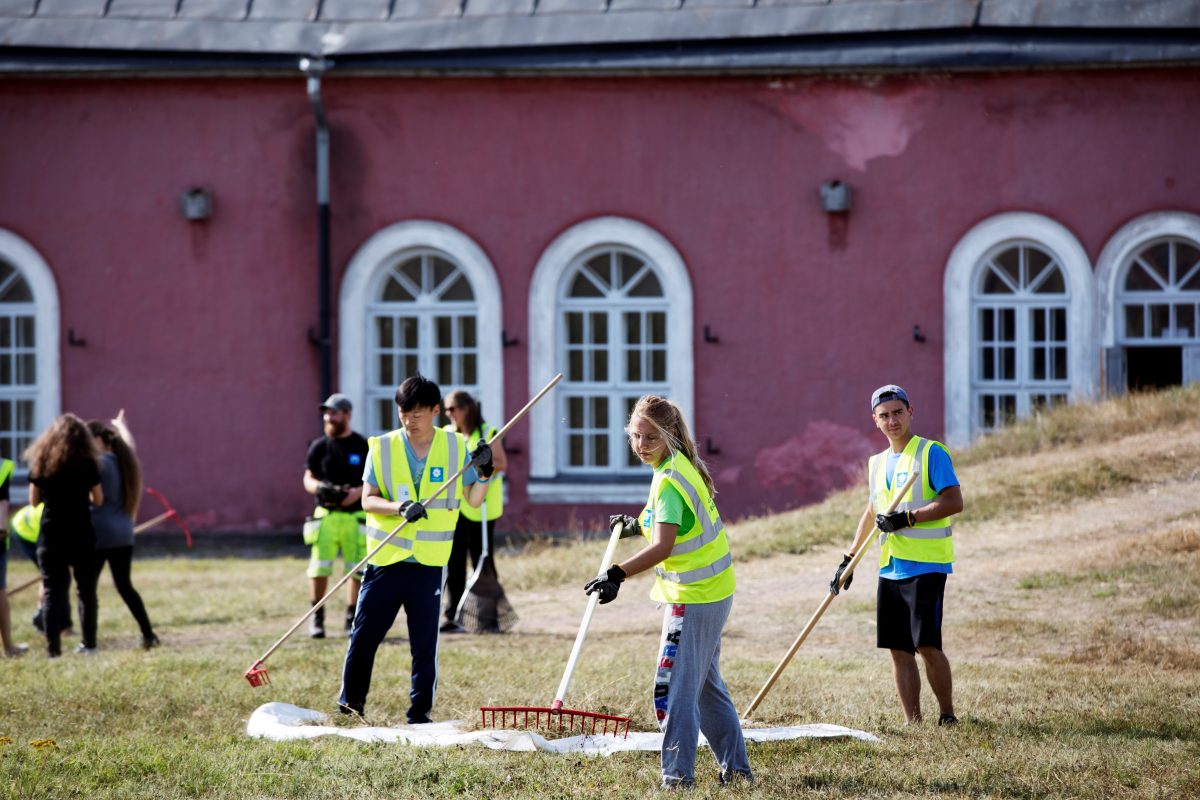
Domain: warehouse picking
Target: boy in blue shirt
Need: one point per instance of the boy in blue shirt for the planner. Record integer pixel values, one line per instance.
(917, 551)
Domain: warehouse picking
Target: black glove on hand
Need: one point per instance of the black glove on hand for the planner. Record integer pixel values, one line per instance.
(330, 496)
(606, 586)
(897, 520)
(631, 525)
(413, 511)
(837, 576)
(481, 460)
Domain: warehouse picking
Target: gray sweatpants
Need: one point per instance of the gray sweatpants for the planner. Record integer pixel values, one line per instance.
(689, 694)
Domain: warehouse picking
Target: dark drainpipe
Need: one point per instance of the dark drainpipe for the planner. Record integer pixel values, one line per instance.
(314, 68)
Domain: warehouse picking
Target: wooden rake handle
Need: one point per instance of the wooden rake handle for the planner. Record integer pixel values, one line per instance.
(593, 599)
(258, 665)
(812, 621)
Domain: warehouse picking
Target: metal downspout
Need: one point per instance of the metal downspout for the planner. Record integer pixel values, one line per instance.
(314, 68)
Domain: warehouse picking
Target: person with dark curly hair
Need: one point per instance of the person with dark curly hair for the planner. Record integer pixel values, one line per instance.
(64, 474)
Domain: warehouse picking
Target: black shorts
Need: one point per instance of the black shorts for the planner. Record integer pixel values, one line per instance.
(909, 612)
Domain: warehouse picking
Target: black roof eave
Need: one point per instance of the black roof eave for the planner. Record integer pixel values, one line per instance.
(941, 50)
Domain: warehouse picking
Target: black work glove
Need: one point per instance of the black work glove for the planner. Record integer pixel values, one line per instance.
(837, 576)
(897, 520)
(606, 586)
(330, 496)
(631, 525)
(481, 460)
(413, 511)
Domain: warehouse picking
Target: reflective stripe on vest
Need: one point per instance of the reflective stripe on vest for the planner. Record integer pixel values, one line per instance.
(699, 568)
(929, 541)
(709, 530)
(429, 540)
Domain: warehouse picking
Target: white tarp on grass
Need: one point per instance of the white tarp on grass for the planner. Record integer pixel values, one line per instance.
(283, 721)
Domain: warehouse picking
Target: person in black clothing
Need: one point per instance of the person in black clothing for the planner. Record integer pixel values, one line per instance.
(64, 474)
(333, 475)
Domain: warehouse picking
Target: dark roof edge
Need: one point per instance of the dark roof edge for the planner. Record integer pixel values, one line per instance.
(940, 50)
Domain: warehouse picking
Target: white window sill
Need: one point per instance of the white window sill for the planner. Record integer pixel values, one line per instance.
(579, 492)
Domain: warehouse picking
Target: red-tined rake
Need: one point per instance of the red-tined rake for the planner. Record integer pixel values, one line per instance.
(257, 674)
(170, 513)
(556, 717)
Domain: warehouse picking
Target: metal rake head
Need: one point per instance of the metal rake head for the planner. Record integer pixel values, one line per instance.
(257, 674)
(558, 719)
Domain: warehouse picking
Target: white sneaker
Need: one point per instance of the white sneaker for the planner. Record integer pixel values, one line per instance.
(16, 650)
(84, 650)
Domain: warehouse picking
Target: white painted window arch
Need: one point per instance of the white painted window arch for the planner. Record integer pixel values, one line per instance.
(419, 294)
(30, 389)
(1123, 250)
(1003, 310)
(610, 306)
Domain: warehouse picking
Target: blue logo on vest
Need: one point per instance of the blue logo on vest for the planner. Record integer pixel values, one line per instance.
(899, 478)
(647, 518)
(436, 474)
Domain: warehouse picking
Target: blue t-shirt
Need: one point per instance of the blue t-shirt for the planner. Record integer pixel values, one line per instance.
(941, 476)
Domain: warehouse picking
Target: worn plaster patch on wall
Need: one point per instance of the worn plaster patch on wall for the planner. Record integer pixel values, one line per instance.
(857, 125)
(824, 457)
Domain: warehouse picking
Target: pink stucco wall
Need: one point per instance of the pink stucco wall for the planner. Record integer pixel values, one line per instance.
(200, 330)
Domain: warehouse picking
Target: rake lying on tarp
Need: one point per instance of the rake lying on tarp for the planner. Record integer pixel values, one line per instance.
(556, 717)
(257, 674)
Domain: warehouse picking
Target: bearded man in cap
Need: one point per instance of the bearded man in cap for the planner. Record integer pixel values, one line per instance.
(917, 551)
(333, 475)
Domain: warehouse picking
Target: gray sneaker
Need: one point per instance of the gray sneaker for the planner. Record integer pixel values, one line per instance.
(84, 650)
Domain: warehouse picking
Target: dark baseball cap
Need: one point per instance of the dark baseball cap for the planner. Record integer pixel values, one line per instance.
(889, 392)
(337, 402)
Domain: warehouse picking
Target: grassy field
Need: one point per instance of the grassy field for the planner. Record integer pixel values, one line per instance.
(1073, 624)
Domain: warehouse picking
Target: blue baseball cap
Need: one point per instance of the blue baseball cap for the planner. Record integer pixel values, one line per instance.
(889, 392)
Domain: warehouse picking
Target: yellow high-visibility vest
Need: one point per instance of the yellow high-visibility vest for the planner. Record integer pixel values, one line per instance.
(700, 566)
(427, 540)
(929, 542)
(27, 522)
(495, 493)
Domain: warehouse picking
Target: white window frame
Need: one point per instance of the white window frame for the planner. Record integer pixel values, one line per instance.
(615, 389)
(984, 239)
(363, 274)
(546, 485)
(1127, 242)
(48, 393)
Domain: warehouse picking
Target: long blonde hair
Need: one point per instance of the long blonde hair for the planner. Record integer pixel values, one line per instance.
(66, 441)
(668, 420)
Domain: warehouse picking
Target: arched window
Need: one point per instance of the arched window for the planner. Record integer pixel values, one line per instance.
(29, 365)
(614, 344)
(1020, 343)
(423, 320)
(599, 313)
(419, 297)
(1019, 329)
(1149, 278)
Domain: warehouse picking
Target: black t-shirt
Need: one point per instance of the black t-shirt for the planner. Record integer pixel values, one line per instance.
(67, 518)
(340, 461)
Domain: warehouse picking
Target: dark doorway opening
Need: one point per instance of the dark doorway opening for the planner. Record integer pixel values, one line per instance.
(1153, 367)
